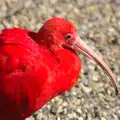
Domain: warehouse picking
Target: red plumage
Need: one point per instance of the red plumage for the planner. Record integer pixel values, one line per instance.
(31, 74)
(35, 67)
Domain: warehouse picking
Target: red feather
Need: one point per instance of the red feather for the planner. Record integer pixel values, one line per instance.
(31, 74)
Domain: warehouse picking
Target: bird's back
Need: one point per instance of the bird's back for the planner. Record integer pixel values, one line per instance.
(30, 74)
(22, 73)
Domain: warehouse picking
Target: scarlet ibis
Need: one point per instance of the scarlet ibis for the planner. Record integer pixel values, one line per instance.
(37, 66)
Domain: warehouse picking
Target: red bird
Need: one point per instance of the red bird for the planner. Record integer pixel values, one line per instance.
(35, 67)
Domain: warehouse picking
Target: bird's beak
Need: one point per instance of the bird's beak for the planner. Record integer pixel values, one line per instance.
(81, 47)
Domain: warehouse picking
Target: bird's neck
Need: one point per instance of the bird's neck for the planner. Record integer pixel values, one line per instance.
(69, 68)
(62, 76)
(64, 68)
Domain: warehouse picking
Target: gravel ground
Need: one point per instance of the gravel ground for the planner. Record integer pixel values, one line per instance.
(93, 97)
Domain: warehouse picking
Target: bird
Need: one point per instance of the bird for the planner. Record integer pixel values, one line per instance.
(38, 66)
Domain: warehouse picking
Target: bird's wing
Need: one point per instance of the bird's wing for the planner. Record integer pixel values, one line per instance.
(22, 73)
(16, 46)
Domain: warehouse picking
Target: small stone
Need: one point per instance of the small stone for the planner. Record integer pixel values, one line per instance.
(110, 91)
(76, 102)
(54, 110)
(58, 118)
(80, 118)
(101, 96)
(65, 104)
(104, 114)
(95, 76)
(74, 115)
(86, 90)
(79, 111)
(65, 111)
(102, 118)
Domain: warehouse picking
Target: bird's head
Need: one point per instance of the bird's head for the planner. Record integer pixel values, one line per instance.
(62, 33)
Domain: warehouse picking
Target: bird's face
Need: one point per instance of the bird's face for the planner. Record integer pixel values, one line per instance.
(64, 34)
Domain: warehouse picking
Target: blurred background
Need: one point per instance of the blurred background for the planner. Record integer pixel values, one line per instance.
(98, 22)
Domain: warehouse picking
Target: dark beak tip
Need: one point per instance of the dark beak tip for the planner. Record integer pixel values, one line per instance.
(117, 90)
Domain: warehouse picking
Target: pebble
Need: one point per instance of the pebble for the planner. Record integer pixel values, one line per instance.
(102, 118)
(86, 90)
(76, 102)
(54, 110)
(80, 118)
(95, 76)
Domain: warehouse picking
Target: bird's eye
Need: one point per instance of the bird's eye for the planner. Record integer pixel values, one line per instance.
(68, 36)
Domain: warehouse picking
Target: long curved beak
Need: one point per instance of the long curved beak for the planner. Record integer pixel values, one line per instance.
(81, 47)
